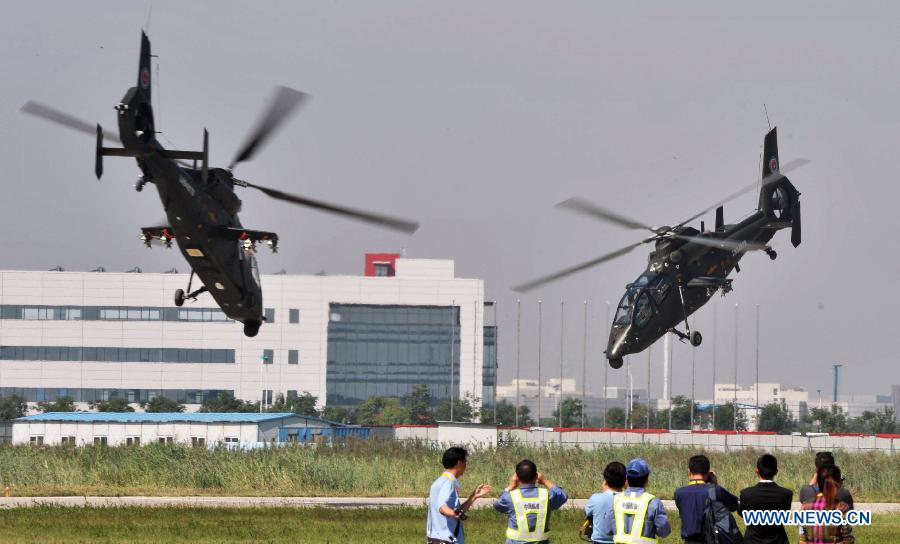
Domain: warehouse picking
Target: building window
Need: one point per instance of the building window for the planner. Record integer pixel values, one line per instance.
(270, 315)
(198, 441)
(67, 440)
(294, 315)
(231, 440)
(386, 350)
(36, 440)
(293, 357)
(267, 397)
(166, 440)
(268, 357)
(99, 440)
(291, 394)
(133, 441)
(382, 270)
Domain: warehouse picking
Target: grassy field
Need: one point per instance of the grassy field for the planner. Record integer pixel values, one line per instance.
(385, 469)
(306, 525)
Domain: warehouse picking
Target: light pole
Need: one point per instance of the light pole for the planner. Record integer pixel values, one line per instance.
(606, 375)
(518, 354)
(734, 408)
(584, 364)
(562, 338)
(540, 386)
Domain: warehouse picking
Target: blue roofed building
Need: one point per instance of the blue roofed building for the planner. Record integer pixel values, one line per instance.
(198, 429)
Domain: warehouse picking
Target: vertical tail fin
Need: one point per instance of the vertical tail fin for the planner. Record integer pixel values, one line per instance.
(770, 164)
(144, 70)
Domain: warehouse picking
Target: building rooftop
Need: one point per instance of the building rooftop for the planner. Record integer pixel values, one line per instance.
(163, 417)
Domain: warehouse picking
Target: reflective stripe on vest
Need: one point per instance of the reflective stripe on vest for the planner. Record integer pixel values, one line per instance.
(539, 506)
(637, 507)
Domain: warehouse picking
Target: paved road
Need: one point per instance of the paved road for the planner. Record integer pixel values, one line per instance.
(331, 502)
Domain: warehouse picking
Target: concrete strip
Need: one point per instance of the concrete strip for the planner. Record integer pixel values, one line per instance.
(329, 502)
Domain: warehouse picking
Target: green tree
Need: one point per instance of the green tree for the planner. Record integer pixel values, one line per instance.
(161, 404)
(681, 413)
(340, 414)
(12, 407)
(61, 404)
(775, 417)
(639, 416)
(571, 413)
(382, 411)
(464, 410)
(226, 402)
(615, 418)
(418, 403)
(303, 404)
(874, 422)
(828, 420)
(506, 415)
(112, 405)
(725, 419)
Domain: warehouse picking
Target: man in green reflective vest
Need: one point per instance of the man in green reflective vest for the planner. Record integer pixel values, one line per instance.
(638, 516)
(528, 505)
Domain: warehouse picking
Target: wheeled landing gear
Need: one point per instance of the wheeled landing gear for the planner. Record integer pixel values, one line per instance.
(696, 338)
(180, 295)
(616, 363)
(771, 253)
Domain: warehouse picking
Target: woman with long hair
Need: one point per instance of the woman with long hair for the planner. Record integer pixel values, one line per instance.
(829, 481)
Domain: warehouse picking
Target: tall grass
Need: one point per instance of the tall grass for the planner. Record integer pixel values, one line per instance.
(374, 468)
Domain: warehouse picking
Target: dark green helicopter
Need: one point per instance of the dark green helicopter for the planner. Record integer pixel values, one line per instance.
(688, 266)
(200, 203)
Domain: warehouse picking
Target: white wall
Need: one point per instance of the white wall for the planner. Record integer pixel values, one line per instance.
(419, 282)
(116, 433)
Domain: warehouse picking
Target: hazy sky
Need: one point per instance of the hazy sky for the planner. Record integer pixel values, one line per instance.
(476, 118)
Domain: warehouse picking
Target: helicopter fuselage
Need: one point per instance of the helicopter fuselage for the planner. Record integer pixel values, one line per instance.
(682, 276)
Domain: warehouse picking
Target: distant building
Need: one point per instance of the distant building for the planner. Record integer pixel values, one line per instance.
(854, 405)
(97, 336)
(895, 396)
(549, 394)
(796, 399)
(138, 428)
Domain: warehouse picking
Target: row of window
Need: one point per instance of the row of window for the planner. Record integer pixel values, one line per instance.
(124, 313)
(117, 355)
(197, 441)
(47, 394)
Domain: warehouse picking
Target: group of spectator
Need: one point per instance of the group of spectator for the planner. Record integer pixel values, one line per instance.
(624, 511)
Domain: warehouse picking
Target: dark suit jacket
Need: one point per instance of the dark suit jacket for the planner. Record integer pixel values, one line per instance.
(766, 496)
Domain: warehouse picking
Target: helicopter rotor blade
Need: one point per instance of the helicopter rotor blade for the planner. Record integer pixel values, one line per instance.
(386, 221)
(583, 206)
(723, 243)
(786, 168)
(284, 103)
(53, 115)
(525, 287)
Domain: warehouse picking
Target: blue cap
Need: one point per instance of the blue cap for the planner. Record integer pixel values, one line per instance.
(637, 468)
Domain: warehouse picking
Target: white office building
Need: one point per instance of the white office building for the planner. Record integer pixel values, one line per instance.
(95, 336)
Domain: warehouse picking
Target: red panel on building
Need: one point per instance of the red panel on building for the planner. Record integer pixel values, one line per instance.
(381, 264)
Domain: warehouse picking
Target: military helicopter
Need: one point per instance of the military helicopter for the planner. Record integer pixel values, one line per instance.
(200, 203)
(688, 266)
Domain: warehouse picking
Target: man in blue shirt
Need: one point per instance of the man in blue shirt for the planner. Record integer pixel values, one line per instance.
(600, 506)
(528, 506)
(445, 513)
(691, 499)
(638, 516)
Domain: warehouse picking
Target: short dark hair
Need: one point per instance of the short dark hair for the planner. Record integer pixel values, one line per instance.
(639, 481)
(526, 470)
(699, 464)
(824, 458)
(614, 475)
(453, 456)
(767, 465)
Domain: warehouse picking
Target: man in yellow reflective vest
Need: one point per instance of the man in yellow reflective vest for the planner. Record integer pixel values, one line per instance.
(638, 516)
(528, 500)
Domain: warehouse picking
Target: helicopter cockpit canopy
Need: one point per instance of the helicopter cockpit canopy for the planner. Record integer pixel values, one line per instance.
(636, 305)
